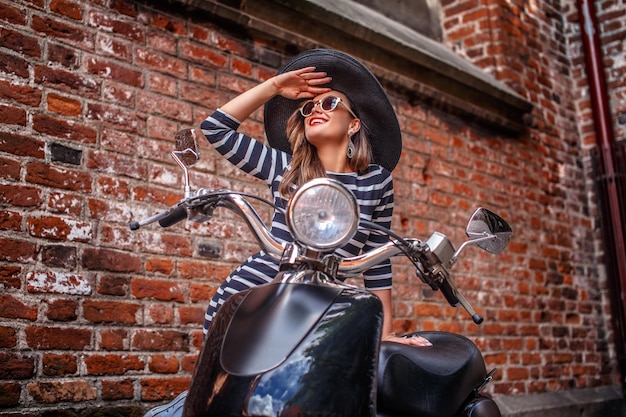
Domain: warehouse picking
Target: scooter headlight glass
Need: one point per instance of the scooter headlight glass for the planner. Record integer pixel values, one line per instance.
(323, 214)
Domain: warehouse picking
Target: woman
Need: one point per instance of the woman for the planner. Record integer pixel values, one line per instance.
(319, 106)
(326, 114)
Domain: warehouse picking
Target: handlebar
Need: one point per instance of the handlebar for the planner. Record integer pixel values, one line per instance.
(200, 207)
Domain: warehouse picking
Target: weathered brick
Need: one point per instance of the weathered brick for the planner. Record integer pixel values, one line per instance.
(62, 310)
(57, 391)
(160, 314)
(9, 394)
(12, 115)
(67, 81)
(12, 308)
(24, 94)
(63, 129)
(191, 315)
(11, 64)
(162, 364)
(59, 364)
(113, 285)
(22, 145)
(58, 29)
(53, 176)
(118, 390)
(10, 276)
(57, 338)
(114, 339)
(20, 42)
(160, 340)
(8, 337)
(58, 282)
(16, 366)
(68, 9)
(159, 290)
(113, 364)
(110, 260)
(110, 69)
(153, 389)
(17, 250)
(110, 311)
(58, 228)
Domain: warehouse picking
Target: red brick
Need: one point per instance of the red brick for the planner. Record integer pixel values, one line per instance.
(16, 250)
(12, 308)
(118, 390)
(20, 43)
(113, 364)
(57, 338)
(22, 145)
(10, 394)
(62, 310)
(58, 228)
(12, 115)
(57, 391)
(8, 337)
(52, 176)
(10, 276)
(67, 81)
(109, 69)
(110, 23)
(151, 60)
(57, 282)
(159, 290)
(63, 105)
(114, 339)
(153, 389)
(59, 364)
(109, 260)
(114, 285)
(160, 340)
(191, 315)
(14, 366)
(110, 311)
(58, 29)
(161, 364)
(160, 314)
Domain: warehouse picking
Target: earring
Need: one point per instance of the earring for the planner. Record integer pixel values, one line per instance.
(350, 151)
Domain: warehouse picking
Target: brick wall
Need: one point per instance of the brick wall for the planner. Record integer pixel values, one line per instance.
(91, 94)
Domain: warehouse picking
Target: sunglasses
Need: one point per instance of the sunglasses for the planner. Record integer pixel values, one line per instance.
(326, 104)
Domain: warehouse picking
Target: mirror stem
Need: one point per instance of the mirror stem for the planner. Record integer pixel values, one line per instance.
(466, 243)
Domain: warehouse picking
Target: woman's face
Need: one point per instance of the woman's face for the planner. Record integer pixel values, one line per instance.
(330, 128)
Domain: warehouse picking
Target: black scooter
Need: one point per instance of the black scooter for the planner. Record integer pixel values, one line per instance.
(307, 344)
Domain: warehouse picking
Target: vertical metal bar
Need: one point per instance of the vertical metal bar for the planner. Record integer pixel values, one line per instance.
(607, 158)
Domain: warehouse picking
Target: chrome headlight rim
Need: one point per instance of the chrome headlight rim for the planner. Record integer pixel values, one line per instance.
(342, 192)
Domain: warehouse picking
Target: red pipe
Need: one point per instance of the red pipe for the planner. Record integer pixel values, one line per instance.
(606, 144)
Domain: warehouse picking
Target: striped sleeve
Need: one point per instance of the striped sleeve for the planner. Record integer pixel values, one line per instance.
(244, 152)
(380, 276)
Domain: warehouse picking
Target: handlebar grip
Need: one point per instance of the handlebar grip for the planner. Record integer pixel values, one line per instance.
(176, 215)
(447, 292)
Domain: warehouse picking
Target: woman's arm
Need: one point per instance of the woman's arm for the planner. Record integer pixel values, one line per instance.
(298, 84)
(388, 334)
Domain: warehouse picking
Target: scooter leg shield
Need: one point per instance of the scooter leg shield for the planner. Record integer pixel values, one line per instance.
(328, 370)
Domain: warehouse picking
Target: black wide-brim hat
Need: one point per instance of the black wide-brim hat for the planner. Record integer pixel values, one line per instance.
(353, 79)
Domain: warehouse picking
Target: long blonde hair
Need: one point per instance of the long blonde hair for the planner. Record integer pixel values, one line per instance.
(306, 165)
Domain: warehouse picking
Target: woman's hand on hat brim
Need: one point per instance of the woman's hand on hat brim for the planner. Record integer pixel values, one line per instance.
(301, 83)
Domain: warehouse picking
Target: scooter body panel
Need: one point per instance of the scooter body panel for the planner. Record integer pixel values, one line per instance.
(327, 370)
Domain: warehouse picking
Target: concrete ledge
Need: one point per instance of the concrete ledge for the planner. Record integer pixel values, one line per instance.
(588, 402)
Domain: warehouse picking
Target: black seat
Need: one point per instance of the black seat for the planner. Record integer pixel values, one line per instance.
(428, 381)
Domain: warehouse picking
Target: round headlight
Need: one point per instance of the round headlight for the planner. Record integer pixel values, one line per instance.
(323, 214)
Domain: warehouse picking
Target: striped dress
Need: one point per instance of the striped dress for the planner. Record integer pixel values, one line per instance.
(373, 190)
